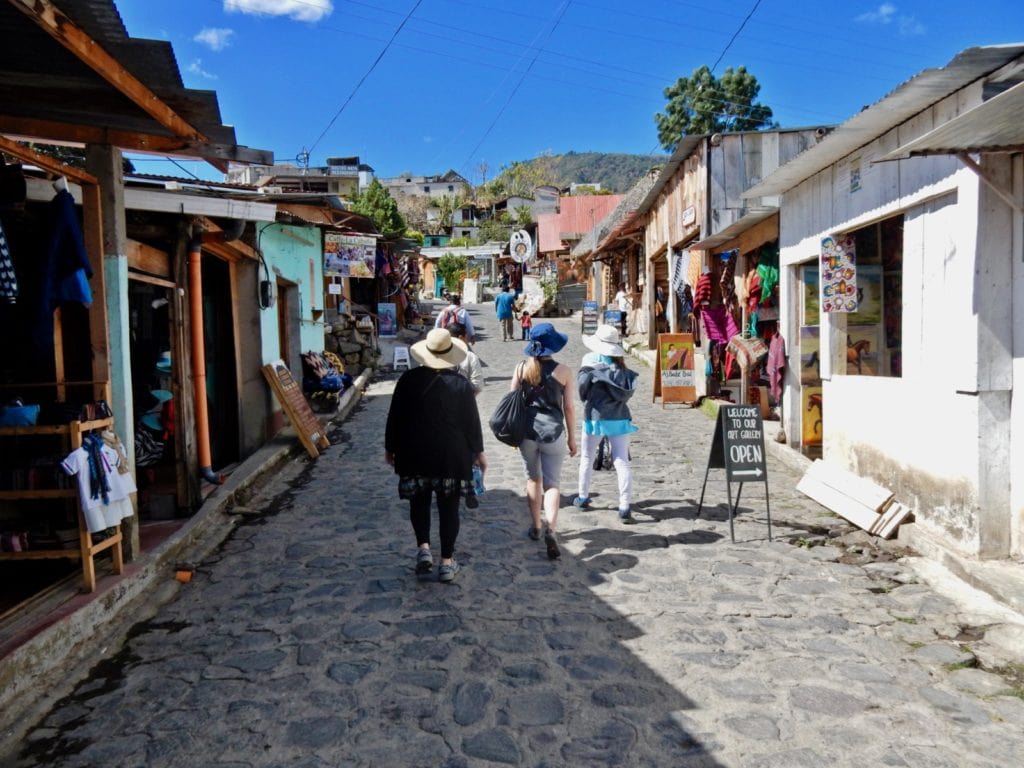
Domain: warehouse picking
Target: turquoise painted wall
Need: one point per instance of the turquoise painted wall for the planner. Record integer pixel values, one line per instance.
(293, 254)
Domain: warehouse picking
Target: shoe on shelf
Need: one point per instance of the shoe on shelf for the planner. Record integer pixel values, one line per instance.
(447, 572)
(534, 533)
(581, 502)
(472, 502)
(549, 541)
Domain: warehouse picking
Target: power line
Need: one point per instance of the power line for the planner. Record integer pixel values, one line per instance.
(734, 36)
(560, 14)
(363, 78)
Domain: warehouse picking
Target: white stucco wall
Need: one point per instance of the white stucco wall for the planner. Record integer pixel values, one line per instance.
(939, 436)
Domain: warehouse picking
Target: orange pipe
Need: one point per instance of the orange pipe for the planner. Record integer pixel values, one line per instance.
(195, 287)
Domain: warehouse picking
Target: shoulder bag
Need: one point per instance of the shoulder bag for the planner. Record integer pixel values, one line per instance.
(510, 419)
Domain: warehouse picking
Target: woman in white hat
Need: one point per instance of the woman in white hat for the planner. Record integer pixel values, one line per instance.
(605, 385)
(432, 439)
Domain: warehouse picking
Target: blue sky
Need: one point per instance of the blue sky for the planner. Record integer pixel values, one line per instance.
(422, 86)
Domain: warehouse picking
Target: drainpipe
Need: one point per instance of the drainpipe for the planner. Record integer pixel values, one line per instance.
(195, 287)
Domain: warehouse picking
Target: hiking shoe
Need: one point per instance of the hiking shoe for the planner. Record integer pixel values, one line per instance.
(581, 502)
(472, 502)
(549, 541)
(626, 516)
(534, 533)
(424, 563)
(447, 572)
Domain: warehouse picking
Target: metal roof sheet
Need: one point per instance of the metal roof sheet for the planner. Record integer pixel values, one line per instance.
(49, 92)
(997, 125)
(907, 100)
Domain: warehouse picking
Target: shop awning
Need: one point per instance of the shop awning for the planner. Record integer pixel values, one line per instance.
(997, 125)
(69, 73)
(746, 221)
(907, 100)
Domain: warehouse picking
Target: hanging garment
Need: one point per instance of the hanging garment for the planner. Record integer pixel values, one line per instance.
(719, 324)
(102, 490)
(726, 283)
(66, 267)
(776, 365)
(8, 280)
(702, 294)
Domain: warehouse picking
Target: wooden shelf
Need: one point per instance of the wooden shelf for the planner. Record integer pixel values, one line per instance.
(71, 435)
(40, 493)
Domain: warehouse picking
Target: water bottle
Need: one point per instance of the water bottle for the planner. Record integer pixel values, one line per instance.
(478, 480)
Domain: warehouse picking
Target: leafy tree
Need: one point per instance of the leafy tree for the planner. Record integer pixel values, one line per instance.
(446, 206)
(413, 209)
(494, 230)
(377, 203)
(703, 103)
(523, 217)
(452, 269)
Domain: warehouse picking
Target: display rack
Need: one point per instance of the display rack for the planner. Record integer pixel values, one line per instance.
(87, 551)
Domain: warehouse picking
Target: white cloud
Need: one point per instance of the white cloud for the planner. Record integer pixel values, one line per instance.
(217, 38)
(427, 139)
(299, 10)
(196, 68)
(882, 15)
(886, 14)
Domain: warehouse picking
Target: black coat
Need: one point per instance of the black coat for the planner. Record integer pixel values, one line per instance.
(433, 426)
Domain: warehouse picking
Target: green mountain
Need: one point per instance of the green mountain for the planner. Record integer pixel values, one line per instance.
(616, 172)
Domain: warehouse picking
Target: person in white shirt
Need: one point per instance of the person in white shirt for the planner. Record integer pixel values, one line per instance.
(622, 298)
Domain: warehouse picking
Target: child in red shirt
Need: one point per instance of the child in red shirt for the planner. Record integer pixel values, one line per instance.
(527, 324)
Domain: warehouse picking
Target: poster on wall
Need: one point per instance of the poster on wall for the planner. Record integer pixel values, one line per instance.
(810, 421)
(349, 255)
(862, 350)
(387, 325)
(838, 274)
(810, 359)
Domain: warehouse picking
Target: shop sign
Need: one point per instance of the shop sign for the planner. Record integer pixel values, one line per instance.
(690, 216)
(589, 318)
(349, 255)
(520, 246)
(838, 274)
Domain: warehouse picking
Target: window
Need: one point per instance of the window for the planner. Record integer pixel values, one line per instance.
(426, 189)
(451, 187)
(874, 333)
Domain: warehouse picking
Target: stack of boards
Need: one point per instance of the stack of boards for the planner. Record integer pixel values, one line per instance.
(857, 499)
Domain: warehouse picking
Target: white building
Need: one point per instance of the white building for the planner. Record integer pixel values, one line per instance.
(915, 388)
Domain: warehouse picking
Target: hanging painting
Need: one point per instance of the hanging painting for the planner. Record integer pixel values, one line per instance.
(838, 274)
(349, 255)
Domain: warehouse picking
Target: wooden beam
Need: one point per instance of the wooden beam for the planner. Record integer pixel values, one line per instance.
(146, 258)
(47, 163)
(88, 51)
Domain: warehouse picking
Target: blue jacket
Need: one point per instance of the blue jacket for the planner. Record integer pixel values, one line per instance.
(604, 390)
(503, 305)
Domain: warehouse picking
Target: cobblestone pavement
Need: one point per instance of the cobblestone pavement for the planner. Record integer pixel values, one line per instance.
(306, 640)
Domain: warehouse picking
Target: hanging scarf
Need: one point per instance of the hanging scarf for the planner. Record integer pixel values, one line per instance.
(8, 280)
(99, 488)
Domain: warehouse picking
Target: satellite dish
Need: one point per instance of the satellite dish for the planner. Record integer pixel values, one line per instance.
(520, 246)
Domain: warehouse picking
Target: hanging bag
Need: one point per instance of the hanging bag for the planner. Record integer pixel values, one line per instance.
(603, 458)
(510, 419)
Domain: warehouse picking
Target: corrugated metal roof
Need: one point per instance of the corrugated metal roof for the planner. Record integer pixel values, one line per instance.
(746, 221)
(48, 92)
(907, 100)
(997, 125)
(580, 213)
(618, 222)
(547, 233)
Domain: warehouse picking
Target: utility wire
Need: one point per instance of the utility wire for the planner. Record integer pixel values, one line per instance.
(558, 18)
(734, 36)
(363, 78)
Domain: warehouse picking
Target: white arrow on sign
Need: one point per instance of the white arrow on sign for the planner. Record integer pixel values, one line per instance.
(756, 472)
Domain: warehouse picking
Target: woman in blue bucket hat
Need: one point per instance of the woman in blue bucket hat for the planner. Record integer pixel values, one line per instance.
(549, 395)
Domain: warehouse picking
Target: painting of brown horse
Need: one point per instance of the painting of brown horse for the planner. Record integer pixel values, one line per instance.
(854, 352)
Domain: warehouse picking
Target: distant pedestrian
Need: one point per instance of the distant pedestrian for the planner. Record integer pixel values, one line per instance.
(432, 439)
(605, 385)
(456, 313)
(526, 322)
(504, 306)
(550, 403)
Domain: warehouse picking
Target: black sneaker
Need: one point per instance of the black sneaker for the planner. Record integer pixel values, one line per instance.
(424, 563)
(549, 541)
(534, 533)
(472, 502)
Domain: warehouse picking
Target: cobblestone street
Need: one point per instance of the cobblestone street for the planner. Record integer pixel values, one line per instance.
(306, 640)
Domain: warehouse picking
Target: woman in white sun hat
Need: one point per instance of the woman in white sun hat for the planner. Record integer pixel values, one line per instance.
(605, 385)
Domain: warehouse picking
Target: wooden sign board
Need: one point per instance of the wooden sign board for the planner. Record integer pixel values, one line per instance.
(590, 317)
(673, 370)
(301, 416)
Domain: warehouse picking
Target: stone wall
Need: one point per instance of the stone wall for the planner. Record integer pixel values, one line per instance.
(355, 347)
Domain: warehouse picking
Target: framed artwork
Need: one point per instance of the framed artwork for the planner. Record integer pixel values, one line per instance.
(810, 296)
(810, 362)
(811, 427)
